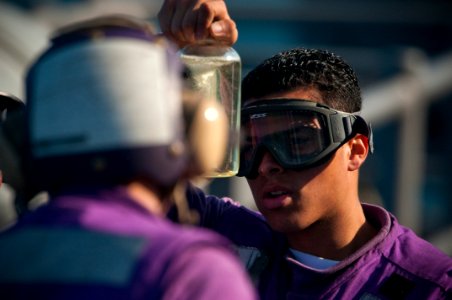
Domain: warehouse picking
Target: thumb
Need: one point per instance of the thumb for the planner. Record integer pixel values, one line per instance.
(224, 31)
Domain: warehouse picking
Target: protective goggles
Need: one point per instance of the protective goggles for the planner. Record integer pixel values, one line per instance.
(297, 133)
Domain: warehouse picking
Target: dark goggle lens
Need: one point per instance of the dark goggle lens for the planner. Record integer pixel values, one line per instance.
(293, 137)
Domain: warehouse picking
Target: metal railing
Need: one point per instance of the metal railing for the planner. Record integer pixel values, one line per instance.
(406, 97)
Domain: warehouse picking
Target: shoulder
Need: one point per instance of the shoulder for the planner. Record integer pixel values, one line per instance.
(205, 272)
(403, 260)
(176, 235)
(194, 263)
(419, 257)
(242, 225)
(197, 198)
(223, 213)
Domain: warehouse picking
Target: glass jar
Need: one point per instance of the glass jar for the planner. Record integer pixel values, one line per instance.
(215, 72)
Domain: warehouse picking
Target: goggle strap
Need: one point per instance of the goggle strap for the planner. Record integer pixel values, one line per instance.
(370, 139)
(363, 127)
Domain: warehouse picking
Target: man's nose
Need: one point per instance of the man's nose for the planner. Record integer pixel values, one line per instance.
(269, 166)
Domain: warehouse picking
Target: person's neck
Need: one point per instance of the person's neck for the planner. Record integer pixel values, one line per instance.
(147, 197)
(334, 238)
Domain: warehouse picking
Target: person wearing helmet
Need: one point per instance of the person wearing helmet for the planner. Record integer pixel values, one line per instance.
(9, 105)
(108, 141)
(303, 144)
(10, 173)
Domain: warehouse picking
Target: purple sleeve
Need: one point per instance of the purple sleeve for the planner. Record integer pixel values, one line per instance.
(242, 226)
(205, 272)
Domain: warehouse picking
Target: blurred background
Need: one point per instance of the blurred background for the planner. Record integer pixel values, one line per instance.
(401, 50)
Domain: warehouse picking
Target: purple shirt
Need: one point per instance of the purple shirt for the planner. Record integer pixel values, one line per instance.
(102, 245)
(395, 264)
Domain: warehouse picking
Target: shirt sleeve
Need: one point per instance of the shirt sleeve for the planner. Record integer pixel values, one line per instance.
(241, 225)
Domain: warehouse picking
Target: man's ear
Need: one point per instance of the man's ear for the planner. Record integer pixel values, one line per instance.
(359, 148)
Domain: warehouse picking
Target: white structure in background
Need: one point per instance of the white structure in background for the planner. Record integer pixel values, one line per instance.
(407, 97)
(23, 35)
(21, 39)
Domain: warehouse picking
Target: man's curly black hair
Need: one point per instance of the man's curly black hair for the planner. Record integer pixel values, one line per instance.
(306, 68)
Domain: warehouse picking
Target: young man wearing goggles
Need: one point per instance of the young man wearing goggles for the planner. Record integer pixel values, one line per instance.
(302, 147)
